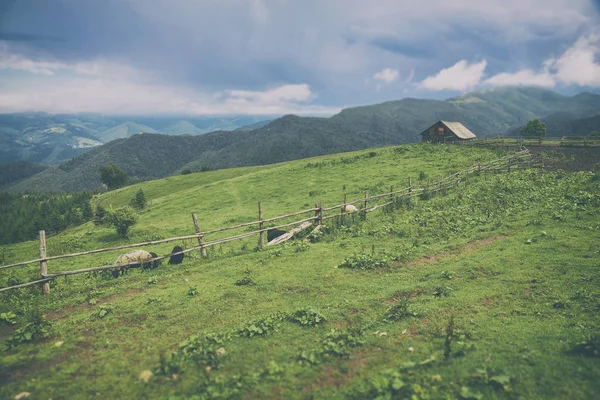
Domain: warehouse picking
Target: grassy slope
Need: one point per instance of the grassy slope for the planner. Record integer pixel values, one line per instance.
(520, 297)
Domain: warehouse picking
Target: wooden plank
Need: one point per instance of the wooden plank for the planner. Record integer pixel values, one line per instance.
(290, 234)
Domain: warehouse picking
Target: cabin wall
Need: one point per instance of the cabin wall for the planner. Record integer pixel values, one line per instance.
(438, 133)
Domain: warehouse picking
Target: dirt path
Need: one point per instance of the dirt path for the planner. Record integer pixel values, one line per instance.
(434, 258)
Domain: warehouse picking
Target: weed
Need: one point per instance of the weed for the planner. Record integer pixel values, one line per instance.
(247, 280)
(8, 318)
(442, 291)
(261, 327)
(400, 310)
(204, 351)
(306, 317)
(364, 261)
(300, 246)
(448, 275)
(103, 311)
(37, 328)
(151, 300)
(153, 280)
(192, 291)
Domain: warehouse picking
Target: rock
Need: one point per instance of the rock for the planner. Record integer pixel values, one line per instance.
(220, 351)
(22, 395)
(145, 375)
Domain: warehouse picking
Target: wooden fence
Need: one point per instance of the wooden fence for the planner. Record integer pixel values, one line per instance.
(367, 204)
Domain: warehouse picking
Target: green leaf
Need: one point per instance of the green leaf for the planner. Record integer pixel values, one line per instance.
(397, 384)
(501, 379)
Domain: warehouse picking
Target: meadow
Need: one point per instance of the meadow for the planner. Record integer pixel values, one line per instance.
(490, 290)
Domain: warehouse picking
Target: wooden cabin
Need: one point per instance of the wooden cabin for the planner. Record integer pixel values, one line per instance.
(447, 132)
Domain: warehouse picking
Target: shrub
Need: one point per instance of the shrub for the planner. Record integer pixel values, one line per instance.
(139, 201)
(122, 219)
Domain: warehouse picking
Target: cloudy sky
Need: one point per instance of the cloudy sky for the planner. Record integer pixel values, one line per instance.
(285, 56)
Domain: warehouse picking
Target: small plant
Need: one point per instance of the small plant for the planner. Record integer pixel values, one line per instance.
(8, 318)
(339, 343)
(151, 300)
(364, 261)
(300, 246)
(306, 317)
(399, 311)
(442, 291)
(153, 280)
(448, 275)
(186, 171)
(38, 328)
(246, 280)
(192, 292)
(103, 311)
(204, 351)
(261, 327)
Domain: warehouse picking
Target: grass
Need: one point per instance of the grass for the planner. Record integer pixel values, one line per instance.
(512, 259)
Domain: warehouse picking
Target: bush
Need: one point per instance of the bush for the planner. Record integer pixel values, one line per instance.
(122, 219)
(306, 317)
(38, 328)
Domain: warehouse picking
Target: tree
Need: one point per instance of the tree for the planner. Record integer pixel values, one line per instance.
(121, 218)
(534, 129)
(139, 201)
(113, 176)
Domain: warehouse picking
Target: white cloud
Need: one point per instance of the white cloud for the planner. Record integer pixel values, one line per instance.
(522, 77)
(578, 64)
(387, 75)
(284, 93)
(461, 76)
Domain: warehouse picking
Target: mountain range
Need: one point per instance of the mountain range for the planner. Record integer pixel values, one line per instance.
(151, 155)
(52, 138)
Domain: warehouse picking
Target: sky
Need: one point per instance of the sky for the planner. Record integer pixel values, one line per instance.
(273, 57)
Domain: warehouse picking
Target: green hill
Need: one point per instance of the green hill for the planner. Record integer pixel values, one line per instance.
(486, 291)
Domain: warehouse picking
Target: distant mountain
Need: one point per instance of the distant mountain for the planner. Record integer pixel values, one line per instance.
(183, 128)
(254, 126)
(18, 170)
(124, 130)
(52, 138)
(290, 137)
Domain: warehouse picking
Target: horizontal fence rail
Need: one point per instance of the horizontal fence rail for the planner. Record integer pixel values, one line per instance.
(514, 160)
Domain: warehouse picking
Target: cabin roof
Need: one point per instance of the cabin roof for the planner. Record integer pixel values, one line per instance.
(455, 127)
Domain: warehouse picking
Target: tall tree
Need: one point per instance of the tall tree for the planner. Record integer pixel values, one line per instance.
(113, 176)
(534, 129)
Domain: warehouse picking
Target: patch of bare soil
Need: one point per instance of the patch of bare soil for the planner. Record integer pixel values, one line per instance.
(465, 249)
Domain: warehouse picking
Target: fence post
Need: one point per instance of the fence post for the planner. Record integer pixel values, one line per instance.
(457, 175)
(409, 186)
(200, 235)
(44, 263)
(509, 164)
(392, 193)
(365, 207)
(321, 212)
(344, 205)
(479, 167)
(261, 235)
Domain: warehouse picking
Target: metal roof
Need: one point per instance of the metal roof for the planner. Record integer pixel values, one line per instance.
(457, 128)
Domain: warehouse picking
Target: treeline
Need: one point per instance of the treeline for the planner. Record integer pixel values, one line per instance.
(23, 215)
